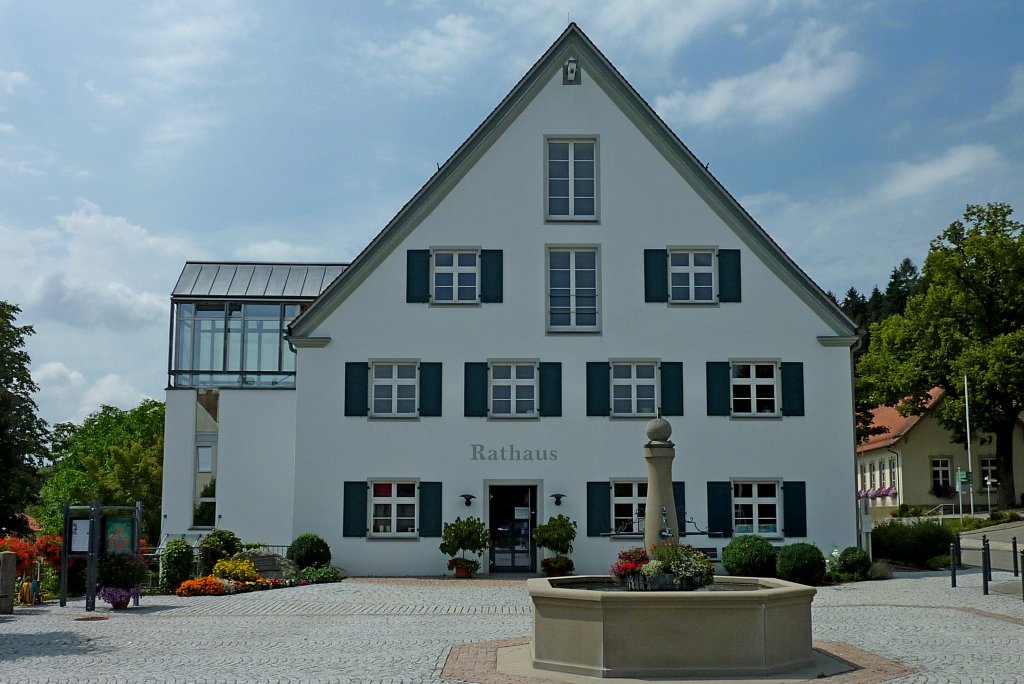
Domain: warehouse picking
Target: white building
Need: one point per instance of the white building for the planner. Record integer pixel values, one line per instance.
(570, 272)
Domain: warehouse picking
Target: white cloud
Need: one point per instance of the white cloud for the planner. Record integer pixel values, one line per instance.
(424, 59)
(812, 72)
(105, 98)
(854, 238)
(7, 128)
(1013, 103)
(57, 380)
(179, 126)
(111, 390)
(276, 250)
(908, 179)
(9, 80)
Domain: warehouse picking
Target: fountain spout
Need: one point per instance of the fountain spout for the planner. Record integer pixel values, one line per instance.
(659, 453)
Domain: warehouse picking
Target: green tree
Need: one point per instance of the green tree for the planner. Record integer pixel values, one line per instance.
(22, 433)
(969, 321)
(115, 457)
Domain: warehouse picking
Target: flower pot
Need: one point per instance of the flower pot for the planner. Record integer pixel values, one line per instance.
(119, 605)
(462, 572)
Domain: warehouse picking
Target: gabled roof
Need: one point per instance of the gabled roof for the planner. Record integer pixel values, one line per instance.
(898, 426)
(254, 280)
(574, 43)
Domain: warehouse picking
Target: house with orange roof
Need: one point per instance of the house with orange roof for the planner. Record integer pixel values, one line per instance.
(916, 462)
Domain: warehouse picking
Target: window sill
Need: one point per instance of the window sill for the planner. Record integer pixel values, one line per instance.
(389, 418)
(632, 416)
(756, 416)
(572, 219)
(504, 417)
(456, 305)
(693, 303)
(392, 537)
(573, 331)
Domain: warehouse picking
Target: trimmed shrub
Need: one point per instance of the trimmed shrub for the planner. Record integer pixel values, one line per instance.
(176, 564)
(802, 563)
(940, 562)
(749, 555)
(324, 575)
(879, 570)
(309, 551)
(215, 546)
(854, 562)
(913, 544)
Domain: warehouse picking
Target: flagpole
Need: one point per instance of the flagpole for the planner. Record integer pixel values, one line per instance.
(970, 466)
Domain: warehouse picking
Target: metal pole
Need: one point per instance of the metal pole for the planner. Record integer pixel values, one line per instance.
(65, 549)
(1016, 567)
(970, 464)
(1022, 576)
(988, 552)
(984, 566)
(94, 555)
(952, 565)
(959, 558)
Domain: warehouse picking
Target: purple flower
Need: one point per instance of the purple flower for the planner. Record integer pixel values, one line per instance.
(114, 595)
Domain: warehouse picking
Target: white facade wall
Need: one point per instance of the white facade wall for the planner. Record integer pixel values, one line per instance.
(499, 204)
(255, 463)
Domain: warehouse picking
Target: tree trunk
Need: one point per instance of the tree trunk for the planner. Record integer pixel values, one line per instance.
(1004, 463)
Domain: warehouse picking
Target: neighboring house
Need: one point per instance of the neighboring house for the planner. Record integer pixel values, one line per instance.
(571, 272)
(916, 463)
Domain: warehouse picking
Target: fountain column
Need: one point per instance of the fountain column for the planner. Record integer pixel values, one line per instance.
(661, 524)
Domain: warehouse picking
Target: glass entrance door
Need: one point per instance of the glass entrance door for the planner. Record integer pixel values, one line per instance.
(513, 516)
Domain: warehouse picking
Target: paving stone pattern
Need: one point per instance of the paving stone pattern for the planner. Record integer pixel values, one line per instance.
(402, 630)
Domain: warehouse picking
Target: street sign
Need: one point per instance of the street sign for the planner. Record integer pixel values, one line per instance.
(965, 477)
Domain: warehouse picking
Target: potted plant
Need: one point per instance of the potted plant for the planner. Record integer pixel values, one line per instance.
(689, 568)
(465, 534)
(120, 578)
(556, 535)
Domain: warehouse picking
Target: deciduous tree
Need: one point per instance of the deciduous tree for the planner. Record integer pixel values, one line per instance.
(969, 321)
(22, 433)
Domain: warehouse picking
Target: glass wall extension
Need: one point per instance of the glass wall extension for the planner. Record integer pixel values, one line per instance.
(232, 344)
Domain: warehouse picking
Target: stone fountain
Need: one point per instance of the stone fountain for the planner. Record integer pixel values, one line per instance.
(740, 626)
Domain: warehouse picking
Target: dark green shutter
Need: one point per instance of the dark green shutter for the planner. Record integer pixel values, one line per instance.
(357, 375)
(599, 508)
(598, 388)
(655, 275)
(430, 389)
(671, 388)
(794, 509)
(475, 390)
(353, 522)
(729, 289)
(679, 494)
(417, 275)
(491, 275)
(550, 389)
(720, 508)
(719, 394)
(430, 509)
(792, 389)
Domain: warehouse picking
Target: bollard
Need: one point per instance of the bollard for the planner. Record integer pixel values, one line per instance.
(8, 561)
(959, 559)
(1022, 576)
(952, 565)
(1016, 566)
(988, 555)
(984, 564)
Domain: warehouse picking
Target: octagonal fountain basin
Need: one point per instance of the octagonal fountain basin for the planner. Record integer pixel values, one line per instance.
(739, 626)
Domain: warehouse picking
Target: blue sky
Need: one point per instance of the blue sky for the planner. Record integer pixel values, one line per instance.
(134, 136)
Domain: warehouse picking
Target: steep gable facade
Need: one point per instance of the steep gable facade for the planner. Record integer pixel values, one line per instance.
(570, 273)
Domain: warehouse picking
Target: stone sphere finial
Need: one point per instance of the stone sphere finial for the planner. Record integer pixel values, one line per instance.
(658, 430)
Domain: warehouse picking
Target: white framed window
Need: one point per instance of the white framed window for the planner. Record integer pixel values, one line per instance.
(572, 179)
(755, 390)
(892, 473)
(941, 473)
(393, 506)
(988, 474)
(572, 289)
(756, 507)
(513, 392)
(456, 276)
(634, 388)
(691, 276)
(863, 476)
(393, 389)
(871, 470)
(204, 502)
(629, 506)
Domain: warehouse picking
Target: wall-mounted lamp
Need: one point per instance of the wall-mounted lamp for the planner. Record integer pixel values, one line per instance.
(571, 68)
(468, 498)
(558, 498)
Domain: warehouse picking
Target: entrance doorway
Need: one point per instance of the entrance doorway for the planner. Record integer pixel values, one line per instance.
(513, 515)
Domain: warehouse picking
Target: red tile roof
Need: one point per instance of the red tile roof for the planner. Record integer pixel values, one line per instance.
(889, 417)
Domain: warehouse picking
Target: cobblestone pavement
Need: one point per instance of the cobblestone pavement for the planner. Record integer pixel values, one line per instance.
(400, 631)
